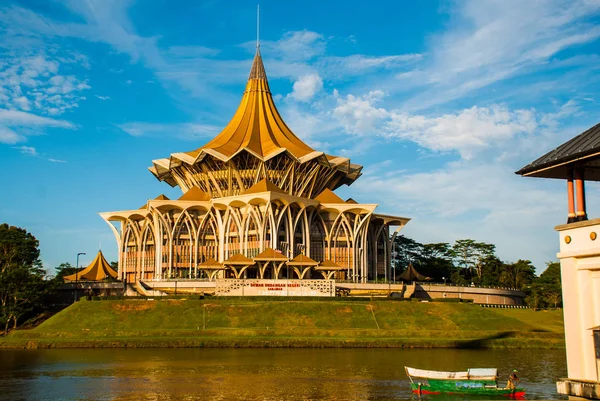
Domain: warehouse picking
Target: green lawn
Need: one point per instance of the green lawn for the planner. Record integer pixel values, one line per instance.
(235, 322)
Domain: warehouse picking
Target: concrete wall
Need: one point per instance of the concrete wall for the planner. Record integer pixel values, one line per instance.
(479, 295)
(580, 274)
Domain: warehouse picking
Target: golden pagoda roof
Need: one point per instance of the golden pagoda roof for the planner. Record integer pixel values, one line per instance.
(263, 185)
(195, 194)
(270, 254)
(159, 197)
(211, 264)
(328, 196)
(257, 128)
(238, 259)
(98, 270)
(302, 260)
(329, 265)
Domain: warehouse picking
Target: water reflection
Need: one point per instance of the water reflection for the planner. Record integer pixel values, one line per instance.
(254, 374)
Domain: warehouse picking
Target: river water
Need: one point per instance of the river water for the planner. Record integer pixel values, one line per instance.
(255, 374)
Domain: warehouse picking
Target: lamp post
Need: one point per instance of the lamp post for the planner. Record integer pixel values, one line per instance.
(77, 273)
(444, 278)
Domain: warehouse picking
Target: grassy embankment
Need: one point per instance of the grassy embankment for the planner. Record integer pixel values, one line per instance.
(268, 323)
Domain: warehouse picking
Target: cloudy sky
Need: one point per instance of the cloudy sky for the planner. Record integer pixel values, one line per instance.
(441, 101)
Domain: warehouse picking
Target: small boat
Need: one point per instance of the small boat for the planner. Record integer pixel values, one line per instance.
(479, 381)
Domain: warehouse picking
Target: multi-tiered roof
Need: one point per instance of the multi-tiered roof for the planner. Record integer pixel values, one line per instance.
(256, 145)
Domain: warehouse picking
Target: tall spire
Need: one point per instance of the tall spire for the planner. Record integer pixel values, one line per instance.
(258, 69)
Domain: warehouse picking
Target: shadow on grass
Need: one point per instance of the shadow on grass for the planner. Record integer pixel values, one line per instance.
(484, 342)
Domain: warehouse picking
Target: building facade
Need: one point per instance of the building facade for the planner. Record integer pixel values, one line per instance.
(577, 161)
(255, 187)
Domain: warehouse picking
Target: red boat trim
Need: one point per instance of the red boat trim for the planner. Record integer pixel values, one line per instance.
(426, 392)
(518, 395)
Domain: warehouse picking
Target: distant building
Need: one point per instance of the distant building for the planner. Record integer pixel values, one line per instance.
(253, 189)
(576, 161)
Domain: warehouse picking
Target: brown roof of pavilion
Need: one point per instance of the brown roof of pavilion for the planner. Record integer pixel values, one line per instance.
(583, 150)
(302, 260)
(328, 196)
(329, 265)
(270, 254)
(411, 274)
(211, 264)
(350, 200)
(239, 259)
(195, 194)
(98, 270)
(263, 185)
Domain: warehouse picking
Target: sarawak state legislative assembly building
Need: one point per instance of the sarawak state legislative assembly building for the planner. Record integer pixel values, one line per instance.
(257, 202)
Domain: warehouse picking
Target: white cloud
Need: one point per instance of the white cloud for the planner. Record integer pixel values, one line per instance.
(356, 64)
(56, 161)
(466, 131)
(306, 87)
(16, 125)
(27, 150)
(358, 114)
(30, 80)
(493, 40)
(184, 131)
(294, 46)
(103, 97)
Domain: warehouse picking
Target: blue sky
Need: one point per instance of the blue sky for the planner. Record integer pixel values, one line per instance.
(441, 101)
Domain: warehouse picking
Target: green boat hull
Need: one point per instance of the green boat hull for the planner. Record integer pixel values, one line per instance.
(467, 387)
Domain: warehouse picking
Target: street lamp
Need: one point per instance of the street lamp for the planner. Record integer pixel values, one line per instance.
(76, 273)
(444, 278)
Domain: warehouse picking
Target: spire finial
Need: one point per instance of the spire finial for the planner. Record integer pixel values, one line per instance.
(257, 26)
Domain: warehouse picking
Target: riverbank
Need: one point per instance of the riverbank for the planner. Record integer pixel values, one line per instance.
(335, 323)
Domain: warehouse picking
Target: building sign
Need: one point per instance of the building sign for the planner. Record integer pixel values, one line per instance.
(281, 288)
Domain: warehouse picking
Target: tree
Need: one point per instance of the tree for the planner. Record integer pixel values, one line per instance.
(469, 255)
(548, 285)
(518, 274)
(64, 269)
(436, 261)
(406, 251)
(22, 285)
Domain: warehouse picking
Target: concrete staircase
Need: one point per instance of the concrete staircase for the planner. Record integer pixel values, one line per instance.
(410, 290)
(145, 290)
